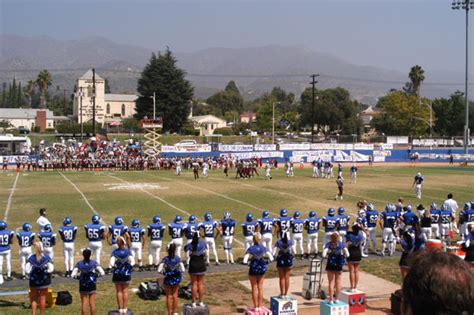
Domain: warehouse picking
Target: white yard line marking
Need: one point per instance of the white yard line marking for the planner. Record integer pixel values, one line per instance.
(212, 192)
(151, 195)
(164, 201)
(10, 197)
(81, 193)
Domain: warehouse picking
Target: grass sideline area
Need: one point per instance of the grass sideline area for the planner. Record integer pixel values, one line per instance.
(144, 194)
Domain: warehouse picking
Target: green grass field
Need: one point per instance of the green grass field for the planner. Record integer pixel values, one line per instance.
(125, 194)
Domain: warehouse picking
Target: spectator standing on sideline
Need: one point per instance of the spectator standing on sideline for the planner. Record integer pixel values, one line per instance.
(42, 221)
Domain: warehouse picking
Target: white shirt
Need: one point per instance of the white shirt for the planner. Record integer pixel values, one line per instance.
(41, 222)
(452, 204)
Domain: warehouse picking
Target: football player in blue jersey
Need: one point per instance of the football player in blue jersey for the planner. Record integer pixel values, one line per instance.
(409, 218)
(330, 224)
(209, 227)
(468, 217)
(137, 242)
(25, 239)
(462, 221)
(176, 231)
(6, 239)
(227, 230)
(68, 235)
(249, 227)
(446, 218)
(115, 231)
(388, 222)
(190, 229)
(344, 219)
(48, 238)
(312, 228)
(297, 227)
(95, 234)
(435, 219)
(265, 226)
(372, 216)
(283, 223)
(155, 233)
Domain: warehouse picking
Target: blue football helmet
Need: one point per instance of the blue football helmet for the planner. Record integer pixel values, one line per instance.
(296, 215)
(409, 208)
(118, 220)
(265, 214)
(207, 216)
(135, 223)
(388, 207)
(47, 228)
(177, 219)
(3, 225)
(341, 210)
(192, 219)
(249, 217)
(370, 207)
(283, 212)
(67, 221)
(312, 214)
(467, 205)
(95, 219)
(26, 227)
(444, 206)
(156, 219)
(331, 212)
(433, 206)
(227, 215)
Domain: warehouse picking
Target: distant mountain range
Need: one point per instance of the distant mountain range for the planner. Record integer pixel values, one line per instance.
(256, 70)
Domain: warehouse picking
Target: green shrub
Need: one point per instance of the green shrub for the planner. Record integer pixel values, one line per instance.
(225, 131)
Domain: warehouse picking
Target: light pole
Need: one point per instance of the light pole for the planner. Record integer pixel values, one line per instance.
(466, 5)
(154, 105)
(81, 94)
(273, 123)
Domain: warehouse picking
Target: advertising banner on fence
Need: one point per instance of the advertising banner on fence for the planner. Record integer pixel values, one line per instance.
(294, 146)
(186, 148)
(235, 147)
(249, 155)
(265, 147)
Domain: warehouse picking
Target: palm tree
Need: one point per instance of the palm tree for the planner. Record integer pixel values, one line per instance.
(417, 76)
(30, 91)
(43, 81)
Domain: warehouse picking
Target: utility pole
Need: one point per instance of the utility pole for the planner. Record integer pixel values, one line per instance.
(93, 102)
(81, 94)
(313, 83)
(273, 123)
(154, 105)
(465, 5)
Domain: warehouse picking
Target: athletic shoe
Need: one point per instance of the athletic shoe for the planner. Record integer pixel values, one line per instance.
(9, 278)
(193, 305)
(201, 304)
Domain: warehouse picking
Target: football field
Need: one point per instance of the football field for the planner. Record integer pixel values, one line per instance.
(142, 195)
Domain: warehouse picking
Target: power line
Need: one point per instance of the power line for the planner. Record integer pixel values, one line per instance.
(234, 75)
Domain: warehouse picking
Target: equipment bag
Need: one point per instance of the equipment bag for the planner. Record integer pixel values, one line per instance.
(64, 298)
(149, 290)
(184, 292)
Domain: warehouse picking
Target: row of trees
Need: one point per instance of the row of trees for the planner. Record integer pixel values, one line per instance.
(36, 94)
(406, 112)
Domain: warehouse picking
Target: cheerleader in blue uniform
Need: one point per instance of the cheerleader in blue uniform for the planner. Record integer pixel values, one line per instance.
(354, 240)
(87, 271)
(197, 251)
(284, 261)
(172, 268)
(39, 268)
(122, 265)
(336, 253)
(257, 270)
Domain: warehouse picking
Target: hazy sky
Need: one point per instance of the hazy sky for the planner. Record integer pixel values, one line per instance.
(392, 33)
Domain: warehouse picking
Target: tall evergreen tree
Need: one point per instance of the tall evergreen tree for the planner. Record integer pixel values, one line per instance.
(173, 92)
